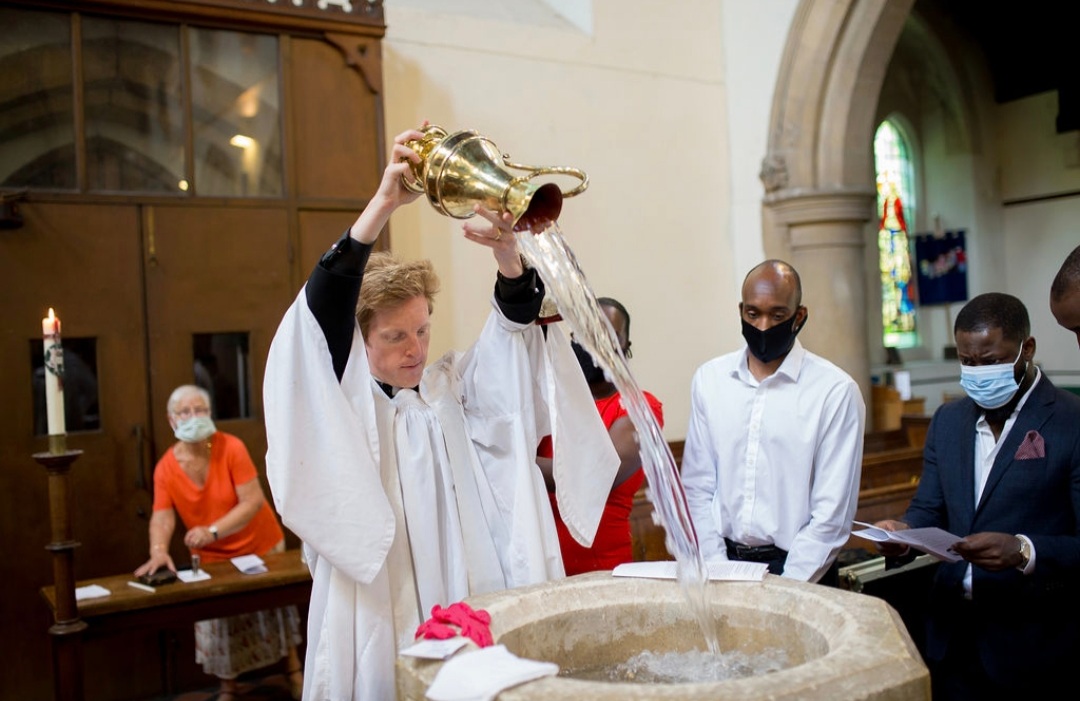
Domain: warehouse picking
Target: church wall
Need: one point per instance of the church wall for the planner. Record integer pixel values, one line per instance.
(754, 35)
(1038, 163)
(642, 105)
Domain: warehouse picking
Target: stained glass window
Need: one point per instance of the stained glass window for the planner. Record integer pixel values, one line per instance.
(896, 200)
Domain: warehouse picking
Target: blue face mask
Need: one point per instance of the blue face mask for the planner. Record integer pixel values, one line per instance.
(991, 386)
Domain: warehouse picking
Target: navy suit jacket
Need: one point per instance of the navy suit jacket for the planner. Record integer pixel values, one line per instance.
(1021, 623)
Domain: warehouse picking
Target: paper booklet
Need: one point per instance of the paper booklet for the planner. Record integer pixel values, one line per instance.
(932, 541)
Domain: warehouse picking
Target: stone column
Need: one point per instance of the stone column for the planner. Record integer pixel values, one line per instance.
(825, 237)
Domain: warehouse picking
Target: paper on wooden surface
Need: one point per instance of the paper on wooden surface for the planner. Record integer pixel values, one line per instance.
(249, 564)
(90, 591)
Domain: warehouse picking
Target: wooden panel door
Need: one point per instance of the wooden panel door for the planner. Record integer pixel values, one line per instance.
(215, 270)
(338, 151)
(83, 260)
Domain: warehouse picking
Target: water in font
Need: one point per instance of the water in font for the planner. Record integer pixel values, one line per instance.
(685, 667)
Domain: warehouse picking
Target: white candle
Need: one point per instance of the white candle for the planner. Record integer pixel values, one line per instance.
(54, 374)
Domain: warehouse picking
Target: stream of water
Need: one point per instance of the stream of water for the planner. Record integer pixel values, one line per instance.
(550, 255)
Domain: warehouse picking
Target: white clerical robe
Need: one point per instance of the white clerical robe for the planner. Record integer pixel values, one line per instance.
(423, 499)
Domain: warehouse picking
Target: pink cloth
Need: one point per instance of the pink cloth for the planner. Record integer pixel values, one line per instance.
(474, 624)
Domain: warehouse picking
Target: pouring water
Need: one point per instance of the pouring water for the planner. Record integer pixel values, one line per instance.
(549, 254)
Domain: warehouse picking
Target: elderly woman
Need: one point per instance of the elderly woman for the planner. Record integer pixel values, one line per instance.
(208, 478)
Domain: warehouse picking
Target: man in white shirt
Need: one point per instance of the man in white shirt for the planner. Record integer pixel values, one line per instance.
(773, 453)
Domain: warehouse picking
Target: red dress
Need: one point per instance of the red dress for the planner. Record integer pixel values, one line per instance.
(612, 544)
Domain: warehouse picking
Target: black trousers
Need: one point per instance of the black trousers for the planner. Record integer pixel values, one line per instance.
(961, 674)
(775, 558)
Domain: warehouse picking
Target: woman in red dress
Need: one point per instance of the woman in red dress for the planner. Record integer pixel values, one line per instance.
(612, 545)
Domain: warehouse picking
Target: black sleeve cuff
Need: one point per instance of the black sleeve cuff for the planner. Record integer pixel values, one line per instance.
(519, 298)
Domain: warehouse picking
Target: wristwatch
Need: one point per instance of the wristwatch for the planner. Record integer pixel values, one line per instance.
(1025, 552)
(213, 531)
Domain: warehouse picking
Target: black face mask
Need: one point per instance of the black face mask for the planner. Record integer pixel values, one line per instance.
(773, 343)
(594, 374)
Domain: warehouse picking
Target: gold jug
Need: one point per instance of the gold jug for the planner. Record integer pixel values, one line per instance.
(457, 171)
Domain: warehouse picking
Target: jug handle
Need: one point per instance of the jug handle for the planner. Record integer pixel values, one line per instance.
(433, 135)
(412, 187)
(551, 170)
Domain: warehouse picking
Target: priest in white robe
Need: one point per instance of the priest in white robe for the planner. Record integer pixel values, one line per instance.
(413, 485)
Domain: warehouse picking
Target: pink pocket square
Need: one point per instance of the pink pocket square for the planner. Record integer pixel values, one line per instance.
(1032, 447)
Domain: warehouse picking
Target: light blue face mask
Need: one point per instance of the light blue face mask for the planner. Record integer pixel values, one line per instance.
(991, 386)
(195, 429)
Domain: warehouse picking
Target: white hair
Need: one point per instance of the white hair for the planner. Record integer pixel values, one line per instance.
(183, 391)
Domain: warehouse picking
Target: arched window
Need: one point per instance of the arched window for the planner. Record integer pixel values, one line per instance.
(896, 201)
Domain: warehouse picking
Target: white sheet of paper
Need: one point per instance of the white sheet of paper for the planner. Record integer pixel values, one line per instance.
(730, 570)
(902, 381)
(90, 591)
(249, 564)
(933, 541)
(189, 576)
(435, 649)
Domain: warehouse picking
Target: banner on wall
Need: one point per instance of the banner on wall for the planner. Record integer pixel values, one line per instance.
(942, 267)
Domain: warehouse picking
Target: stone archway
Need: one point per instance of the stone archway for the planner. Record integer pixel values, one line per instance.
(818, 170)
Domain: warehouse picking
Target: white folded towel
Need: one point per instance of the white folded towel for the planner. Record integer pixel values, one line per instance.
(480, 675)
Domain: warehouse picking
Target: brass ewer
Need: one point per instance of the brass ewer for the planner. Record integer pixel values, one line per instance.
(463, 169)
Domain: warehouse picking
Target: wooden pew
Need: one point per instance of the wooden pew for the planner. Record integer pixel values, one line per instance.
(647, 537)
(912, 432)
(889, 480)
(890, 475)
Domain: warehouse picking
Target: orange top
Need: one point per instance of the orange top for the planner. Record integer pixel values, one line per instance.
(230, 465)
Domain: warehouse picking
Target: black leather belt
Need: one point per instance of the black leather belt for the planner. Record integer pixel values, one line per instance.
(754, 552)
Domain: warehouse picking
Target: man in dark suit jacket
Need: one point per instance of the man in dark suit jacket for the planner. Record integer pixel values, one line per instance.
(1002, 470)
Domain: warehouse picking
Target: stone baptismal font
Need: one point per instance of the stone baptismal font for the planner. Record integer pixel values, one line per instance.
(833, 645)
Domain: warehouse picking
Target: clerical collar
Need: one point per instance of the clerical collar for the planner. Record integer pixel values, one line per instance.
(390, 390)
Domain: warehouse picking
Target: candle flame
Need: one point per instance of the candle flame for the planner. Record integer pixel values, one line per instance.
(52, 314)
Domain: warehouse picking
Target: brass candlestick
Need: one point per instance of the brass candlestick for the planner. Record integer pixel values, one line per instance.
(66, 630)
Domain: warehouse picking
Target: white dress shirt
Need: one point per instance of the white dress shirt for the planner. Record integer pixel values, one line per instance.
(986, 451)
(776, 462)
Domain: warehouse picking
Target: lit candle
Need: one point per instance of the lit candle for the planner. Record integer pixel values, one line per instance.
(54, 374)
